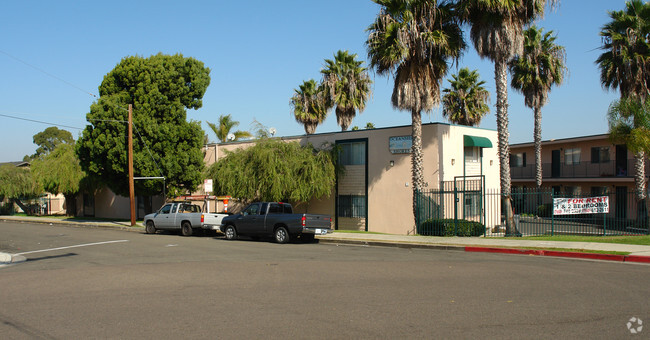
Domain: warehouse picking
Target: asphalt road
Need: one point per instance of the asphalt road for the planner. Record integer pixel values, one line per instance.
(168, 286)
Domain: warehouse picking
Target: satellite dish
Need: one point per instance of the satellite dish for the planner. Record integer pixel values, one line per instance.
(272, 131)
(231, 137)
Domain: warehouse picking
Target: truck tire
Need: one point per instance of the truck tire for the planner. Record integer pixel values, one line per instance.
(150, 228)
(281, 235)
(231, 233)
(186, 229)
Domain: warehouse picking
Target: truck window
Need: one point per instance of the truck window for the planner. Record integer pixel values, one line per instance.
(252, 209)
(275, 209)
(287, 209)
(166, 209)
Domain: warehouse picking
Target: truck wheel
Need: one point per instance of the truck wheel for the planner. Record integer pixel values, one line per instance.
(186, 229)
(150, 228)
(231, 233)
(281, 235)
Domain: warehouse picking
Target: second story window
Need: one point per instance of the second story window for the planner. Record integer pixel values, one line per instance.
(600, 154)
(572, 156)
(518, 160)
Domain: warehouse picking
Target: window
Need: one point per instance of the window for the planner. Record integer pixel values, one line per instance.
(352, 206)
(600, 154)
(599, 191)
(572, 156)
(275, 209)
(518, 160)
(572, 191)
(353, 153)
(471, 154)
(252, 209)
(166, 209)
(472, 204)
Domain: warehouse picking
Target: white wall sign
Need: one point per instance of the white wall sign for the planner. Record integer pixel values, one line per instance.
(571, 206)
(400, 144)
(207, 185)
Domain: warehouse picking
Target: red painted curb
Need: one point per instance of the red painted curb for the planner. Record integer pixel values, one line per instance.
(636, 258)
(570, 254)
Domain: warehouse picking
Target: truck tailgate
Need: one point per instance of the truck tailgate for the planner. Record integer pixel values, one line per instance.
(212, 221)
(317, 221)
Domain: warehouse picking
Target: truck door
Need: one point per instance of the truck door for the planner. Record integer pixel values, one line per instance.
(162, 219)
(251, 220)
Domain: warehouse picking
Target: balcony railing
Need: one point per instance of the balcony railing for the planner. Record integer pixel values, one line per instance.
(580, 170)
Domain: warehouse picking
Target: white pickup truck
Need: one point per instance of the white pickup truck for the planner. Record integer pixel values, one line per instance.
(184, 216)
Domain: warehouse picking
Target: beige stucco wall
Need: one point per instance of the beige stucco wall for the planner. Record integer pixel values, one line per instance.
(390, 191)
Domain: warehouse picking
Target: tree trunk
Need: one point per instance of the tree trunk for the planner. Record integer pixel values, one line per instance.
(70, 205)
(640, 183)
(416, 159)
(538, 147)
(501, 80)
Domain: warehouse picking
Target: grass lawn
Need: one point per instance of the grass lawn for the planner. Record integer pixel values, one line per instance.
(638, 240)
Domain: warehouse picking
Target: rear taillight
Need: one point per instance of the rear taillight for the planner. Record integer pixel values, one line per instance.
(202, 218)
(304, 220)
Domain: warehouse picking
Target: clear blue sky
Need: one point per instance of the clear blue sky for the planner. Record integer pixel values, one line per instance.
(258, 52)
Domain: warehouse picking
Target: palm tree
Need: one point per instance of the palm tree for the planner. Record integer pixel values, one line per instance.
(533, 73)
(625, 64)
(465, 103)
(309, 105)
(497, 33)
(226, 124)
(348, 86)
(413, 41)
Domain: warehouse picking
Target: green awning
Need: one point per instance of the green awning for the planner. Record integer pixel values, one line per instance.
(481, 142)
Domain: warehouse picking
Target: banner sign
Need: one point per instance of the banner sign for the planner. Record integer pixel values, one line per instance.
(572, 206)
(400, 144)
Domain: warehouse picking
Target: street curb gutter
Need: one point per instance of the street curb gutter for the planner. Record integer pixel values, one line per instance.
(555, 253)
(393, 244)
(78, 224)
(475, 249)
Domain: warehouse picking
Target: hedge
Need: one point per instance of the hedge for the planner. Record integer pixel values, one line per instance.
(450, 227)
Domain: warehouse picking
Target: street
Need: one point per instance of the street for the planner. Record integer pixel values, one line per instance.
(102, 283)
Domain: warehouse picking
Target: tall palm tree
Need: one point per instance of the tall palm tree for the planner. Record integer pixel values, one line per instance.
(348, 86)
(625, 65)
(497, 33)
(226, 124)
(310, 105)
(533, 73)
(465, 103)
(413, 40)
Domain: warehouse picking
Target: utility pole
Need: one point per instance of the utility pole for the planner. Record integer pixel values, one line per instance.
(131, 187)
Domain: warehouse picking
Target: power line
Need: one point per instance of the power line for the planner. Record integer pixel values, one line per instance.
(49, 74)
(42, 122)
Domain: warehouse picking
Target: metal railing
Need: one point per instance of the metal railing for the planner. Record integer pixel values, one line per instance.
(443, 212)
(580, 170)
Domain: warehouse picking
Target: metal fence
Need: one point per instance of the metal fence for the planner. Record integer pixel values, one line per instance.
(465, 208)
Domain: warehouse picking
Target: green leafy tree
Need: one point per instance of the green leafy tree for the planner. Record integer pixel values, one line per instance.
(629, 123)
(160, 88)
(309, 105)
(496, 30)
(226, 124)
(534, 72)
(273, 170)
(48, 139)
(625, 65)
(465, 103)
(348, 86)
(369, 126)
(413, 41)
(59, 172)
(17, 183)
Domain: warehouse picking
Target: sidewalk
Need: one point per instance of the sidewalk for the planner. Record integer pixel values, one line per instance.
(638, 253)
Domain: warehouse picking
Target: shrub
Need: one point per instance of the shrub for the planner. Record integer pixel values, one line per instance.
(6, 209)
(545, 210)
(450, 227)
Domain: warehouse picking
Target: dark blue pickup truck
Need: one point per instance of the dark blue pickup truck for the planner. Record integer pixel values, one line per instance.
(275, 219)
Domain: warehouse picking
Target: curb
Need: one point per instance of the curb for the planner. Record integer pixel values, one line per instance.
(393, 244)
(514, 251)
(78, 224)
